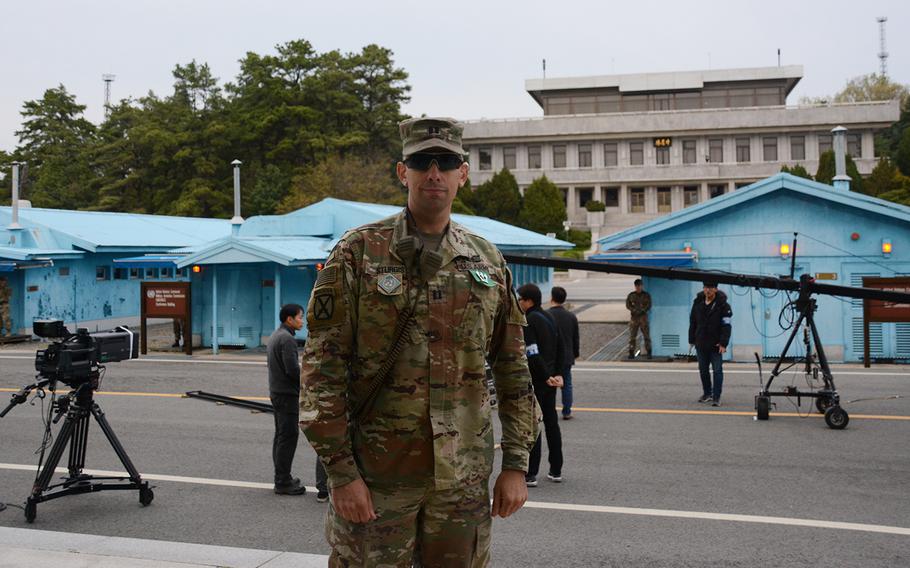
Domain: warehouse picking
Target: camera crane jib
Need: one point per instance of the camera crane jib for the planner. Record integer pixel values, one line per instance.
(827, 399)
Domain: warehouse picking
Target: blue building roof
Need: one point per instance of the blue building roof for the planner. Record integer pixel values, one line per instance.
(778, 182)
(286, 251)
(97, 231)
(350, 214)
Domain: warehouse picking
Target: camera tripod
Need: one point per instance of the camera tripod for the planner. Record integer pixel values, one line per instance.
(79, 406)
(827, 401)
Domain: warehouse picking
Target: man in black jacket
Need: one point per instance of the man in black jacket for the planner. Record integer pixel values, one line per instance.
(284, 390)
(544, 349)
(709, 332)
(567, 324)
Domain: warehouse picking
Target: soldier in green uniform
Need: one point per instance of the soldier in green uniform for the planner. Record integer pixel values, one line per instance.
(6, 322)
(638, 303)
(409, 478)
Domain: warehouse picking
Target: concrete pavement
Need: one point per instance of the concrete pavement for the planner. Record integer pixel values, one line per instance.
(27, 548)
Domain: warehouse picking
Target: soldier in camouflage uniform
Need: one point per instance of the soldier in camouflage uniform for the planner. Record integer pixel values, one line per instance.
(638, 303)
(6, 322)
(409, 478)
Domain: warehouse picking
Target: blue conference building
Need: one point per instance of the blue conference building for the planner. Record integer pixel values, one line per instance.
(85, 267)
(842, 236)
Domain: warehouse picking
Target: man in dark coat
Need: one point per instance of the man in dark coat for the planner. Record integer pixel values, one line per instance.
(284, 390)
(545, 355)
(567, 324)
(709, 333)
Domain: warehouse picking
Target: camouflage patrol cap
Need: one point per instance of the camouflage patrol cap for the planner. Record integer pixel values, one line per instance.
(430, 133)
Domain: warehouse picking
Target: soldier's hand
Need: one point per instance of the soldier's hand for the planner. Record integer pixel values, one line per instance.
(353, 502)
(509, 493)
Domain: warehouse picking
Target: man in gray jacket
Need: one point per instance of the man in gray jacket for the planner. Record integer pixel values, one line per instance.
(284, 390)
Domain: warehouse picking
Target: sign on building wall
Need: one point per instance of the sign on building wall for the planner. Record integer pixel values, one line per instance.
(882, 311)
(167, 300)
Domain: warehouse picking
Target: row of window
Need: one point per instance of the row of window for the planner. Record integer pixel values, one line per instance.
(637, 196)
(120, 273)
(715, 152)
(712, 97)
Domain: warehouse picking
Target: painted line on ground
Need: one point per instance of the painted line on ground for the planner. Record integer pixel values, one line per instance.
(730, 413)
(154, 394)
(630, 369)
(574, 409)
(727, 371)
(666, 513)
(155, 360)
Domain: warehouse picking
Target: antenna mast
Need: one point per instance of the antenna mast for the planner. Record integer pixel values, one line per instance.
(883, 53)
(108, 79)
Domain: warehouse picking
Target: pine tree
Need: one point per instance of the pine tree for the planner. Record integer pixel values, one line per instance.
(543, 210)
(498, 198)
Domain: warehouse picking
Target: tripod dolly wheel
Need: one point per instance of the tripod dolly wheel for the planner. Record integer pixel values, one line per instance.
(762, 407)
(823, 403)
(836, 418)
(31, 511)
(146, 495)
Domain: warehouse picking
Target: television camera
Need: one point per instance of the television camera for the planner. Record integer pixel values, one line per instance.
(77, 360)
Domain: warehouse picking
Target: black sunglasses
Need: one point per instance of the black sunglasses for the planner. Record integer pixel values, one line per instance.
(423, 162)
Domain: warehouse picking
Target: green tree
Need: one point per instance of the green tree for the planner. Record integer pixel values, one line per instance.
(464, 200)
(902, 152)
(871, 87)
(498, 198)
(797, 170)
(885, 177)
(543, 210)
(901, 194)
(826, 171)
(270, 188)
(343, 177)
(53, 143)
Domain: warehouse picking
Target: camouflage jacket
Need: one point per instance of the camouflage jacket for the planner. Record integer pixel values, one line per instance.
(638, 303)
(431, 423)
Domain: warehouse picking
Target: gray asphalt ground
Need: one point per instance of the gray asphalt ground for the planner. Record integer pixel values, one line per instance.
(652, 478)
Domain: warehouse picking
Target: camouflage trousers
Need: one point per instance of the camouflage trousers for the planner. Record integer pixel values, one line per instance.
(6, 322)
(419, 527)
(636, 323)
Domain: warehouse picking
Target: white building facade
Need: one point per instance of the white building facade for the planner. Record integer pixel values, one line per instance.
(650, 144)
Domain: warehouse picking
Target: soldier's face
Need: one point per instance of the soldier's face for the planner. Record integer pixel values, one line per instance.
(432, 191)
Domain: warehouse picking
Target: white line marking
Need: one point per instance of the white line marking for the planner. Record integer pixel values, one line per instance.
(667, 513)
(722, 517)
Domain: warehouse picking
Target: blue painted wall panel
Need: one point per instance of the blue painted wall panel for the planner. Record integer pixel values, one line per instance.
(747, 240)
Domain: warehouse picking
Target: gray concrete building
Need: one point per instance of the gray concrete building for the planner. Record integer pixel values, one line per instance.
(649, 144)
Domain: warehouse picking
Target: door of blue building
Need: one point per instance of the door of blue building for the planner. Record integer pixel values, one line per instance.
(239, 306)
(776, 327)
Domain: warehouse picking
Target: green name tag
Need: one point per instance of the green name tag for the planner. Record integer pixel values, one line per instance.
(482, 277)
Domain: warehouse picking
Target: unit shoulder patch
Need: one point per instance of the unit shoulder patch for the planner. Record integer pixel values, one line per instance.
(324, 309)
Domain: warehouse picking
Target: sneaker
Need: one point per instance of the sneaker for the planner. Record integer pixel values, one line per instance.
(531, 480)
(293, 487)
(705, 398)
(715, 402)
(555, 478)
(322, 496)
(567, 417)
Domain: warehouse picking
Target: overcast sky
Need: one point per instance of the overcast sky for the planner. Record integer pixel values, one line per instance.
(466, 58)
